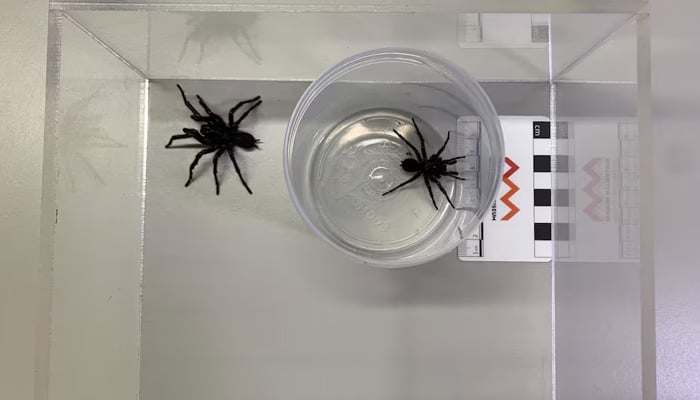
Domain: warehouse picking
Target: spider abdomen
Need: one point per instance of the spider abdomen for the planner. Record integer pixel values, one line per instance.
(411, 165)
(245, 140)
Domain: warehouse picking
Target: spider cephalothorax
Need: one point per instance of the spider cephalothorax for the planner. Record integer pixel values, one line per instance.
(215, 135)
(431, 168)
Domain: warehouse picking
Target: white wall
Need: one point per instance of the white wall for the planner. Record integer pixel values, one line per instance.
(676, 91)
(22, 71)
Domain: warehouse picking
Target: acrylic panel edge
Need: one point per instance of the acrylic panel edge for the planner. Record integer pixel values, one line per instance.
(509, 6)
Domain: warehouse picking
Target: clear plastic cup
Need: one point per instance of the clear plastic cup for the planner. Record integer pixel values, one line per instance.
(341, 155)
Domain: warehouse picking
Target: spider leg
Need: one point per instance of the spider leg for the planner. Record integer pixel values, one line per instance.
(196, 160)
(443, 145)
(189, 133)
(238, 170)
(237, 106)
(189, 105)
(177, 137)
(415, 150)
(204, 105)
(420, 136)
(430, 190)
(211, 115)
(455, 175)
(216, 169)
(442, 189)
(245, 114)
(416, 176)
(206, 119)
(196, 135)
(451, 161)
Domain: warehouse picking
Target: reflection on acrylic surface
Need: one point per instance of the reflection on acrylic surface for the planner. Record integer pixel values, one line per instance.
(597, 205)
(219, 26)
(79, 137)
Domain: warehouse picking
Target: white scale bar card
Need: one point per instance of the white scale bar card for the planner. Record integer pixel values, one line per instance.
(519, 225)
(593, 213)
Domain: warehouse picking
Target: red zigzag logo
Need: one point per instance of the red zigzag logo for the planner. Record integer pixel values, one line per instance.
(590, 189)
(513, 167)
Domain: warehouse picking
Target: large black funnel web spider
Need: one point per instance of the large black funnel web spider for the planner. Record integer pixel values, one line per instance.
(215, 135)
(431, 168)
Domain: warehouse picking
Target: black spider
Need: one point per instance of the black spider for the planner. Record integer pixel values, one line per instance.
(217, 136)
(431, 168)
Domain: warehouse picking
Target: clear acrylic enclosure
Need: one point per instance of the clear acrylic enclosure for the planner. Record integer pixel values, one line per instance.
(164, 292)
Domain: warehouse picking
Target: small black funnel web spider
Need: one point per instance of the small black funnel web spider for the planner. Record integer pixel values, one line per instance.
(217, 136)
(431, 168)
